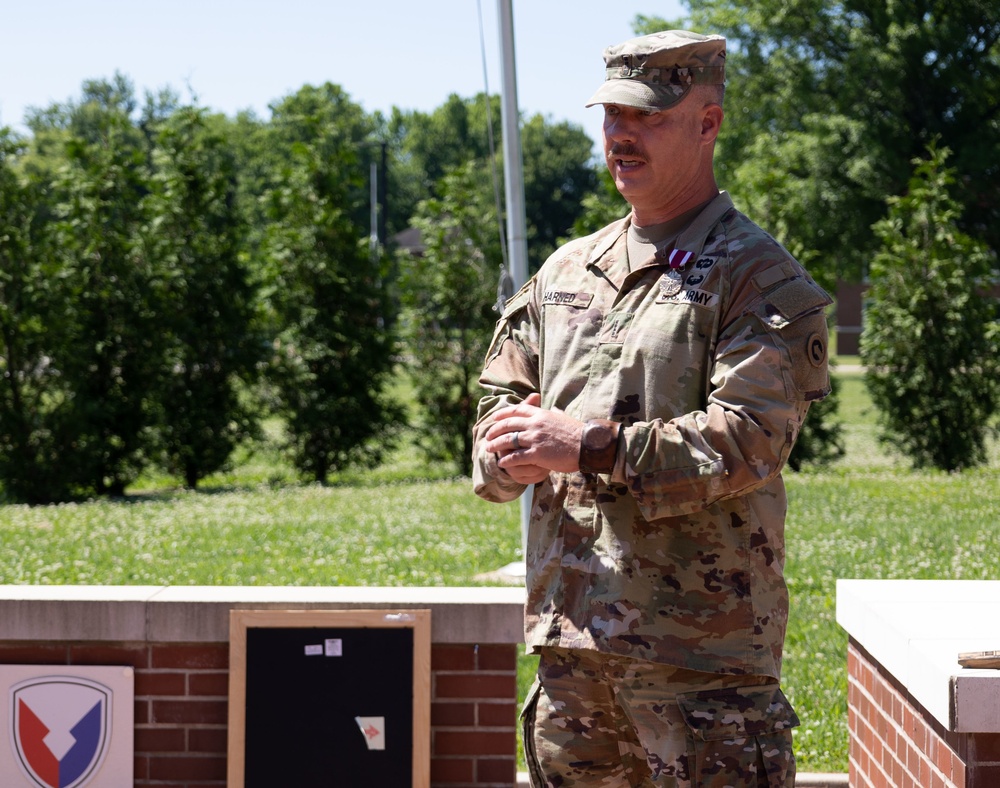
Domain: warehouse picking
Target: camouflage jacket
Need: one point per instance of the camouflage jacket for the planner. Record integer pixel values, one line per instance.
(676, 556)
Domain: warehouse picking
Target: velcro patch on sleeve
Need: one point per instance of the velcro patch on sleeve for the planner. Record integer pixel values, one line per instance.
(798, 297)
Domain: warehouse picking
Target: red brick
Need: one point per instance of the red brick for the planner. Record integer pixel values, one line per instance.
(497, 715)
(152, 740)
(30, 654)
(497, 657)
(191, 657)
(473, 743)
(448, 657)
(201, 712)
(187, 767)
(931, 747)
(209, 684)
(208, 740)
(982, 777)
(961, 774)
(451, 770)
(141, 711)
(147, 684)
(942, 761)
(140, 767)
(475, 686)
(453, 714)
(985, 747)
(496, 770)
(103, 654)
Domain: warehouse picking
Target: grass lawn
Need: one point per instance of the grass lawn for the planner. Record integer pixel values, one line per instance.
(408, 524)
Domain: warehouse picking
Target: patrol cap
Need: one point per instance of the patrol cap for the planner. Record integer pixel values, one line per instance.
(656, 71)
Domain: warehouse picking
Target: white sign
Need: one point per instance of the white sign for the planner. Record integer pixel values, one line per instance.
(66, 726)
(373, 729)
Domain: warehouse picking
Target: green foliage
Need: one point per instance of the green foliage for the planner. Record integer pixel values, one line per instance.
(427, 146)
(30, 440)
(448, 288)
(600, 207)
(196, 234)
(332, 349)
(558, 172)
(829, 102)
(558, 177)
(107, 348)
(447, 293)
(932, 333)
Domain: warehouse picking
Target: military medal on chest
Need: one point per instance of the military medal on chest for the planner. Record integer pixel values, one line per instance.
(671, 281)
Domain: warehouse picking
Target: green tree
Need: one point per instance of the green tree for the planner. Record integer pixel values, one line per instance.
(110, 351)
(447, 292)
(557, 166)
(600, 207)
(558, 177)
(31, 390)
(330, 315)
(829, 102)
(195, 235)
(931, 341)
(449, 288)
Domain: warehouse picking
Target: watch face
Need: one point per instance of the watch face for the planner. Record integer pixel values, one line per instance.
(596, 437)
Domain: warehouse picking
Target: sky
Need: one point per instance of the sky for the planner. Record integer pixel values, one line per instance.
(232, 55)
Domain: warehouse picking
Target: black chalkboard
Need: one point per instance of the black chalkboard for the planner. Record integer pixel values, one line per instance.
(329, 698)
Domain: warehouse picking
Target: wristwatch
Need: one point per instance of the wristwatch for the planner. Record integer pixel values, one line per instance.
(599, 446)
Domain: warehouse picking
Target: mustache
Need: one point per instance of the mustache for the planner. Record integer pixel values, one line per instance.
(626, 150)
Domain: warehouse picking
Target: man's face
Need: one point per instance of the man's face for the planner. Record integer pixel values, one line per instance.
(654, 157)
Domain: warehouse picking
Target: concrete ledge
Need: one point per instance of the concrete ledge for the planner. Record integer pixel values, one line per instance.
(196, 614)
(916, 628)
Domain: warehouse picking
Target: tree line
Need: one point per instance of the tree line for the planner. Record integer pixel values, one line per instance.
(170, 277)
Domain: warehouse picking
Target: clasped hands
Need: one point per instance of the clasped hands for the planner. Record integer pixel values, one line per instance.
(530, 442)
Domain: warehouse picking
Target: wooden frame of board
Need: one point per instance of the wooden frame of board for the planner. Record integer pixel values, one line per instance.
(240, 621)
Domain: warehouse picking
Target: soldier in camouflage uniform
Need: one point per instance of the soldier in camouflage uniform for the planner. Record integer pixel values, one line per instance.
(650, 381)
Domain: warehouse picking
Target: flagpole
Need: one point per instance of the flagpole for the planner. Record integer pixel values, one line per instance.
(513, 169)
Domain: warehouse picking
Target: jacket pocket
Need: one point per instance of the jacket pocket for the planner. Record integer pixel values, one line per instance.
(740, 736)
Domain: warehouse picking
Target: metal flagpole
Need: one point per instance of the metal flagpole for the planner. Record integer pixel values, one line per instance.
(517, 235)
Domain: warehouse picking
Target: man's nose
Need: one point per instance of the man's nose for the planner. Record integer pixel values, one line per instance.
(618, 128)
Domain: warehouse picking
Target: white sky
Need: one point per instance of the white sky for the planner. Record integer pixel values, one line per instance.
(245, 54)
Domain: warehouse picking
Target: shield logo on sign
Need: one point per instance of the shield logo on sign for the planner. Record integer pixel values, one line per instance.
(60, 729)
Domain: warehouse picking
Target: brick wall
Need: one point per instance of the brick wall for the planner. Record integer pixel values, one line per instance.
(896, 743)
(181, 697)
(473, 714)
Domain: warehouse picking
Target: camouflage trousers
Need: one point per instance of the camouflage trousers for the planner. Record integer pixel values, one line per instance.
(596, 719)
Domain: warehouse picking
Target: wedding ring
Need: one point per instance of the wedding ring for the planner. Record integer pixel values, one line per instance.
(515, 441)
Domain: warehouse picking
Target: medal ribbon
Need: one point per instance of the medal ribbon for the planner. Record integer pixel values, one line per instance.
(678, 258)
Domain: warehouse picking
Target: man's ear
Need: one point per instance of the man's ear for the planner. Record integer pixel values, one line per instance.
(711, 122)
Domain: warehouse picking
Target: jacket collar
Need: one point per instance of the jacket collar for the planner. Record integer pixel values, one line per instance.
(692, 239)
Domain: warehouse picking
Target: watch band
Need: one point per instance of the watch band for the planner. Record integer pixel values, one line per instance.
(599, 446)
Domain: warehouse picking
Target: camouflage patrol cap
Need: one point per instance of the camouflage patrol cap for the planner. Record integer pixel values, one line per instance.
(656, 71)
